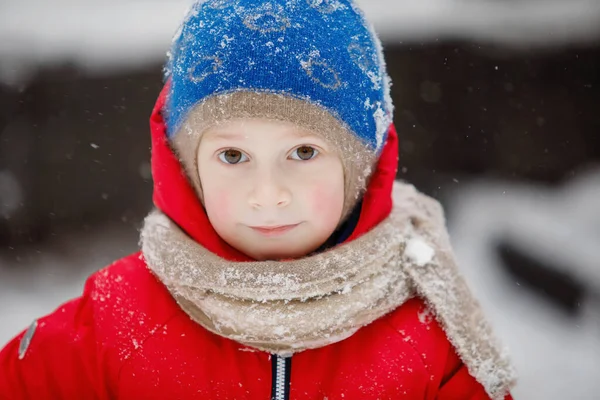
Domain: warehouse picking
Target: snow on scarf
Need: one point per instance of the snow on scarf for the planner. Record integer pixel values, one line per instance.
(285, 307)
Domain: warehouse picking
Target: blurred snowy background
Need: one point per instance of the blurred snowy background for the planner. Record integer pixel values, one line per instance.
(497, 110)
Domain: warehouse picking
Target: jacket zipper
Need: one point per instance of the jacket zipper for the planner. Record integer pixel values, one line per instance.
(282, 368)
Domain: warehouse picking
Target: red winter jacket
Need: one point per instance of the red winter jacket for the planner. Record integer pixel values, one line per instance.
(126, 338)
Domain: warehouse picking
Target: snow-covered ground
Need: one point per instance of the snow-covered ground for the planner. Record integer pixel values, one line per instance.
(558, 356)
(105, 35)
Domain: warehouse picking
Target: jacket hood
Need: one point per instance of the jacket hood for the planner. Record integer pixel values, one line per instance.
(175, 196)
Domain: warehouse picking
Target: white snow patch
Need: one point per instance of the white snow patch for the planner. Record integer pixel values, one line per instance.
(425, 316)
(280, 330)
(419, 252)
(347, 289)
(382, 123)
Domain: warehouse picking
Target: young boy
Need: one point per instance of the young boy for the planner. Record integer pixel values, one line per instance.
(282, 260)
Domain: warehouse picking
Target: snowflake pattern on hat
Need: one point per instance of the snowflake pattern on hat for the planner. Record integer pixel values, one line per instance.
(321, 51)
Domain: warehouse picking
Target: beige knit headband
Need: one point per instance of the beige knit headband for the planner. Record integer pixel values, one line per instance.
(357, 159)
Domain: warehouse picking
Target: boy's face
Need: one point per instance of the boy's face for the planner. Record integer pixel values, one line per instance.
(271, 189)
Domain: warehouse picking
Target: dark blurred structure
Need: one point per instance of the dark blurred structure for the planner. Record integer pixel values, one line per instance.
(474, 109)
(74, 149)
(79, 149)
(550, 281)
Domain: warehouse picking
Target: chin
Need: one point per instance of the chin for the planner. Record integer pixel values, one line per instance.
(275, 252)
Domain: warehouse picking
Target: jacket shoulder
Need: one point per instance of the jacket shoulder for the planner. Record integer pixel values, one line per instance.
(129, 304)
(418, 328)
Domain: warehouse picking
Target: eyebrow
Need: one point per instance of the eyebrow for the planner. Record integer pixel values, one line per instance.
(224, 135)
(238, 136)
(307, 133)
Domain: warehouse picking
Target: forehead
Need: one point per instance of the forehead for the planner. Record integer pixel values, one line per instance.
(256, 127)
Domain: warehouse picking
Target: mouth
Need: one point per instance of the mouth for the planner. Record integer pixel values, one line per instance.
(273, 230)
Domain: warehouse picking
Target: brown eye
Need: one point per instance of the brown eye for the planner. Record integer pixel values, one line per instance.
(232, 156)
(304, 153)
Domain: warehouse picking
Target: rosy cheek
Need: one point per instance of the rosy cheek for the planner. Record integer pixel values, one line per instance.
(218, 206)
(327, 202)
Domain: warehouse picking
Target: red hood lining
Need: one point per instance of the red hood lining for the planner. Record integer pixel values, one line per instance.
(174, 195)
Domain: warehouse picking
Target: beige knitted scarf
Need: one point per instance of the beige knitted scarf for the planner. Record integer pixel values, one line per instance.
(287, 307)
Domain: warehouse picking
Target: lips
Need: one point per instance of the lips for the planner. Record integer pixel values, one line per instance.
(273, 230)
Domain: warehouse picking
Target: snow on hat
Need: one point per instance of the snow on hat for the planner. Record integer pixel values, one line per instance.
(315, 63)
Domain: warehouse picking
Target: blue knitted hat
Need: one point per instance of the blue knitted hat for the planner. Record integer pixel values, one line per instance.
(317, 63)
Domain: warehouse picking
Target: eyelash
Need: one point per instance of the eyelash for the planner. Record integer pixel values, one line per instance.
(317, 152)
(221, 156)
(245, 158)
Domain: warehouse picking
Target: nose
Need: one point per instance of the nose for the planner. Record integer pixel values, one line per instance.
(269, 190)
